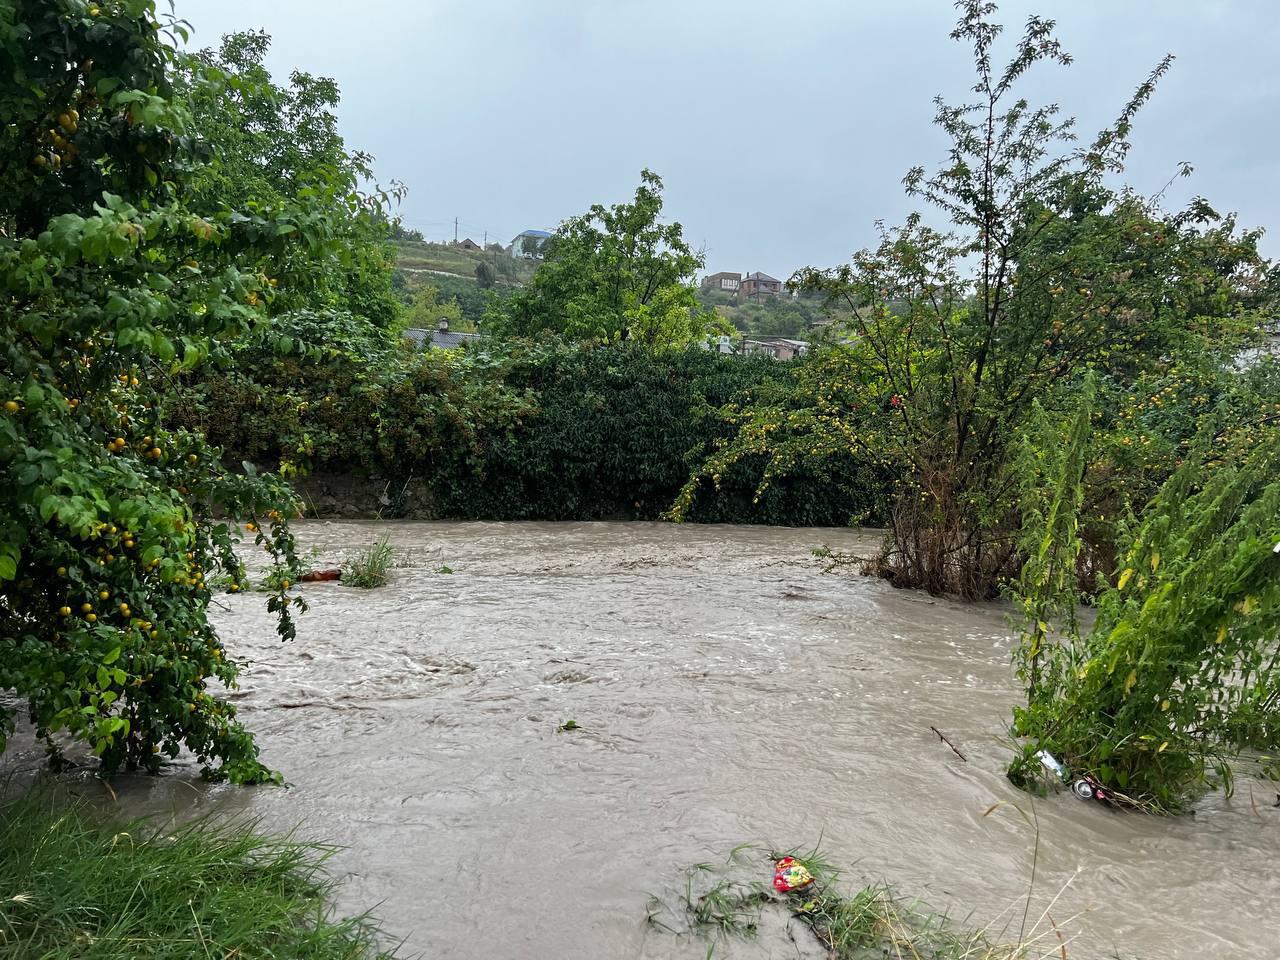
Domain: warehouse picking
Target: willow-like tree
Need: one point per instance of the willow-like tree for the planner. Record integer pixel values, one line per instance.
(1178, 675)
(1044, 272)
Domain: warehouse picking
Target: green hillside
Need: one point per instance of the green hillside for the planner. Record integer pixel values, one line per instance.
(782, 316)
(418, 255)
(440, 280)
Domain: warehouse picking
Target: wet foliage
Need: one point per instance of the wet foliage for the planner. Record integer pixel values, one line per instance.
(112, 522)
(156, 206)
(79, 884)
(1179, 675)
(520, 430)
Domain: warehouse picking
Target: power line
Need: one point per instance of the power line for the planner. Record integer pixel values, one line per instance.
(458, 224)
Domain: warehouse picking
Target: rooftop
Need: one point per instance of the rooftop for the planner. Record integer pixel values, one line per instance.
(773, 341)
(438, 339)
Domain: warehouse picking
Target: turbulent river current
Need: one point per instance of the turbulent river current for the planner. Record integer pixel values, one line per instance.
(724, 689)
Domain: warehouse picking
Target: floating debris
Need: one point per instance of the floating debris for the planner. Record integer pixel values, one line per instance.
(790, 875)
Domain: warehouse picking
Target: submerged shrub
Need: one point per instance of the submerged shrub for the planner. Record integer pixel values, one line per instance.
(370, 568)
(1180, 672)
(729, 899)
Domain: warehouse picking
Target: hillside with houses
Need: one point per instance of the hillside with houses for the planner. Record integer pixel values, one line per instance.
(510, 263)
(459, 279)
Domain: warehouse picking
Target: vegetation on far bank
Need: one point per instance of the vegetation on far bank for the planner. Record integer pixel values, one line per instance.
(545, 430)
(810, 317)
(457, 295)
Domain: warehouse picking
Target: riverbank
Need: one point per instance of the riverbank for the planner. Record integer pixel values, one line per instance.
(77, 884)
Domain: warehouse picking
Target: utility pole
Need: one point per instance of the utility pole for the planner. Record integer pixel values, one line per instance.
(455, 229)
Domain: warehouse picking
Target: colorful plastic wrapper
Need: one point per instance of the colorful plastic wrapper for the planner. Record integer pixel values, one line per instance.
(789, 875)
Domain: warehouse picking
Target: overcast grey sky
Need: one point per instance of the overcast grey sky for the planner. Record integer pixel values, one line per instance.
(781, 130)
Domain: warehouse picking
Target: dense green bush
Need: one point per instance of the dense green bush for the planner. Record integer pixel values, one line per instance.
(334, 392)
(512, 431)
(113, 527)
(615, 431)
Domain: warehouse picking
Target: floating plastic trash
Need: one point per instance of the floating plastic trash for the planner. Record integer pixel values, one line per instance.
(790, 875)
(1052, 764)
(1087, 788)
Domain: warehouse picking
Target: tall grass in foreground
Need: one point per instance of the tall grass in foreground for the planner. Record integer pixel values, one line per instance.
(76, 884)
(370, 568)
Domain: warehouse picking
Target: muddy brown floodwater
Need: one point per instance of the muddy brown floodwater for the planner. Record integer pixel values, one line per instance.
(726, 690)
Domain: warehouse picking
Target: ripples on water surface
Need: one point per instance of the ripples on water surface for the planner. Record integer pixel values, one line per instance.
(726, 690)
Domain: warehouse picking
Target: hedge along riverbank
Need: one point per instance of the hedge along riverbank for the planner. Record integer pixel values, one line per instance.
(505, 431)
